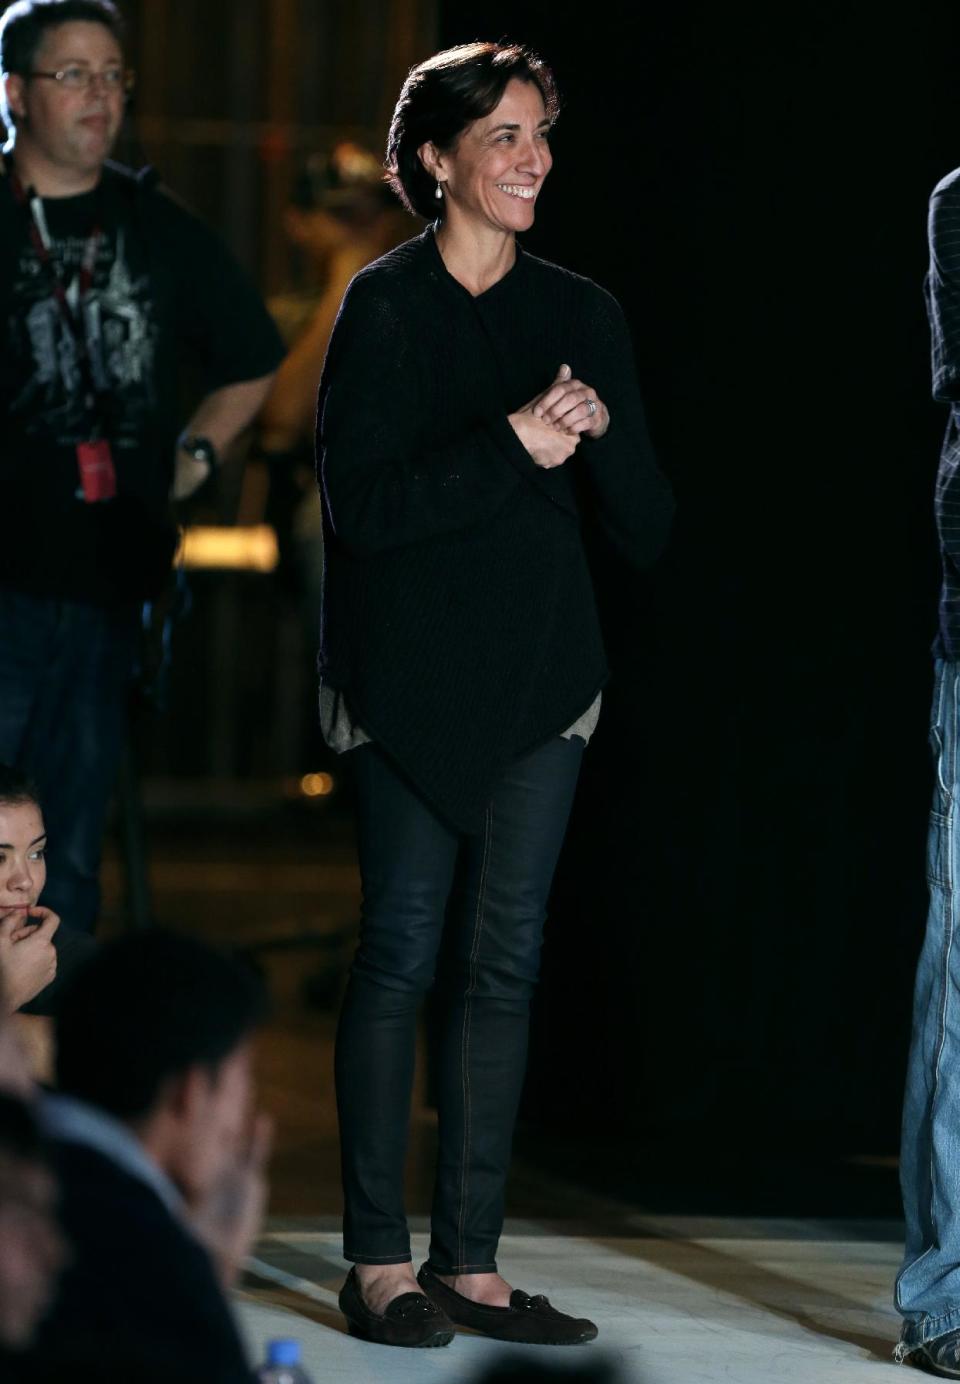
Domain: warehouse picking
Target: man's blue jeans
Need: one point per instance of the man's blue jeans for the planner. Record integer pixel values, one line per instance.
(928, 1285)
(65, 673)
(492, 890)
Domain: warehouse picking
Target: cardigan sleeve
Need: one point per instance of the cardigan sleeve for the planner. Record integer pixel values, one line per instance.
(943, 290)
(635, 502)
(382, 486)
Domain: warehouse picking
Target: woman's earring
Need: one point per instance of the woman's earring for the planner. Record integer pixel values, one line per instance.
(439, 192)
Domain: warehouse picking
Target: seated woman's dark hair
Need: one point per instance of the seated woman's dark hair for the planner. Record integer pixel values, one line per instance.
(442, 96)
(16, 788)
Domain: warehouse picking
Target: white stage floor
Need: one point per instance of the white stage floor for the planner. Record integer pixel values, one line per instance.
(677, 1300)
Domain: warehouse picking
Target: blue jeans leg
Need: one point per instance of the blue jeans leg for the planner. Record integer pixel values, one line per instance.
(65, 673)
(486, 898)
(928, 1284)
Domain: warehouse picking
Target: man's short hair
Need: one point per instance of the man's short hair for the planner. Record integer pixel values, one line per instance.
(146, 1009)
(16, 788)
(25, 22)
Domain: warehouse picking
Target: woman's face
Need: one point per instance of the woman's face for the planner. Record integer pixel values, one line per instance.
(23, 868)
(494, 175)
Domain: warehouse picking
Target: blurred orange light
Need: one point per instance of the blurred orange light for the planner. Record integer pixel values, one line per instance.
(316, 785)
(224, 548)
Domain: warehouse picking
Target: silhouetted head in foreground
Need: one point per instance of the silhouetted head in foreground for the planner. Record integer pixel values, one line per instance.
(156, 1031)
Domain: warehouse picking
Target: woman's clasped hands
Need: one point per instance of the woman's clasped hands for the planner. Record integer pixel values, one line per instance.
(551, 424)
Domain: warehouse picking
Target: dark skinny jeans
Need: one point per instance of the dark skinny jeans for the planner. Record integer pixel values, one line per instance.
(486, 897)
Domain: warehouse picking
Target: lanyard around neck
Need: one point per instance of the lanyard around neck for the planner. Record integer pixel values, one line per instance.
(43, 249)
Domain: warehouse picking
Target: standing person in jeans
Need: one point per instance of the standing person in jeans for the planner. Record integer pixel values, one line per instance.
(928, 1285)
(107, 283)
(470, 392)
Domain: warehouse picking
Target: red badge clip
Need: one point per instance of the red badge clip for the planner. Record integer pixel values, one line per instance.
(97, 475)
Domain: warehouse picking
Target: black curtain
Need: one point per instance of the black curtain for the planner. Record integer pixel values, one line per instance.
(741, 899)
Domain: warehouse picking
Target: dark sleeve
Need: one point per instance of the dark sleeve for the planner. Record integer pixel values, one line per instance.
(383, 484)
(635, 502)
(943, 292)
(73, 948)
(222, 317)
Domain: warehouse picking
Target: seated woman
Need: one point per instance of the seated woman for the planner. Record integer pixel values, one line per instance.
(28, 958)
(35, 951)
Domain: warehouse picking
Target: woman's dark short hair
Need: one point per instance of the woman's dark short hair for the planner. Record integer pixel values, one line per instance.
(25, 22)
(16, 788)
(445, 94)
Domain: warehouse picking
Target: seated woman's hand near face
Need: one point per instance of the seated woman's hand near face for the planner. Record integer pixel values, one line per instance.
(28, 958)
(230, 1216)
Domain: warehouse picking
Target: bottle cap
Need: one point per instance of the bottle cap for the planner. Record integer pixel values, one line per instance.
(283, 1352)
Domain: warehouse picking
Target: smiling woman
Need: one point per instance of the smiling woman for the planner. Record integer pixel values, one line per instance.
(492, 175)
(471, 392)
(459, 92)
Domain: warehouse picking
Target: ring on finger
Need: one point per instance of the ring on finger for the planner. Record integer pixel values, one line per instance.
(591, 406)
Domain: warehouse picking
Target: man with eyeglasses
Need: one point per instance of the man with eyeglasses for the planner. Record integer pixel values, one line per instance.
(107, 283)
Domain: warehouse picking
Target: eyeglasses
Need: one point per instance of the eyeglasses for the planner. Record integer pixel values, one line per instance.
(82, 78)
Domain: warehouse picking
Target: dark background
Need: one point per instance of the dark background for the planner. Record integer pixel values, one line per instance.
(741, 898)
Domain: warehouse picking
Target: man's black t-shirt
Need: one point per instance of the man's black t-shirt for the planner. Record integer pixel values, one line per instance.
(164, 289)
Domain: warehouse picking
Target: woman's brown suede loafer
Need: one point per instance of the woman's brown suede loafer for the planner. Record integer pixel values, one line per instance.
(411, 1319)
(527, 1321)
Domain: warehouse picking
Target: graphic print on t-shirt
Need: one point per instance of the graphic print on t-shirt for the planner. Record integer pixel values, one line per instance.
(48, 401)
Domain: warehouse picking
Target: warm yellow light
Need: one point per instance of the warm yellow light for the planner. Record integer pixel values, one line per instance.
(252, 549)
(316, 785)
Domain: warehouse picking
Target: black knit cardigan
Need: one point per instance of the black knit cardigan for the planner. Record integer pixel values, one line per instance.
(459, 618)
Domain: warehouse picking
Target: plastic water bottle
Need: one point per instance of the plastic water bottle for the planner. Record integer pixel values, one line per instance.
(282, 1365)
